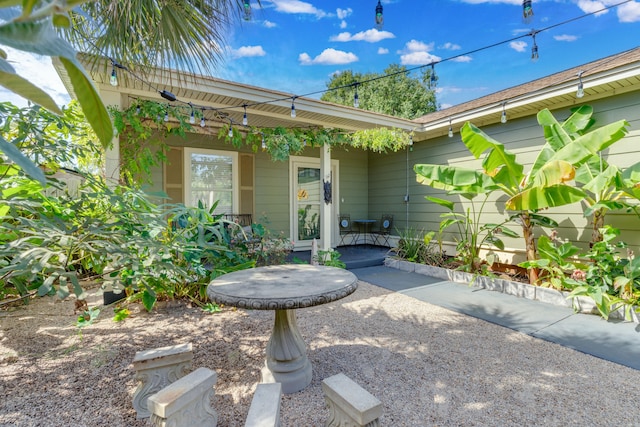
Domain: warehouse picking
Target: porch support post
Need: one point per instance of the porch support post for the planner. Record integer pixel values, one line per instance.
(112, 154)
(326, 208)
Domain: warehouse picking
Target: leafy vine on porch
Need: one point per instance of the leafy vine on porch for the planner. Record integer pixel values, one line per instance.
(145, 126)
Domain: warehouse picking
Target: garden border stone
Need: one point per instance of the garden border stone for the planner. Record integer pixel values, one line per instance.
(580, 304)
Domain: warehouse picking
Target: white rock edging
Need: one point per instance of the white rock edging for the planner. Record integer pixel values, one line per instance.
(522, 290)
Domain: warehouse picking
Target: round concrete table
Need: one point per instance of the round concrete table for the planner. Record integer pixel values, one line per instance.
(284, 288)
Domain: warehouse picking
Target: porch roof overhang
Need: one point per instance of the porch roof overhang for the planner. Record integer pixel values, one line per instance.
(265, 108)
(615, 74)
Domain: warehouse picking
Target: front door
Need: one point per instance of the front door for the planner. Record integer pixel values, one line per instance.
(307, 198)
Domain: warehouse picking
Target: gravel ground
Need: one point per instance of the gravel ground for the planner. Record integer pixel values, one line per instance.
(429, 366)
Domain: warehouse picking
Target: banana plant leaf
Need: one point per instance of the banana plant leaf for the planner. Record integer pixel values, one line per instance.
(553, 173)
(587, 145)
(631, 180)
(611, 205)
(499, 163)
(451, 178)
(536, 198)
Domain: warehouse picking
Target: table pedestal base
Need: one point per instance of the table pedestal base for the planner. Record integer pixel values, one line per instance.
(287, 360)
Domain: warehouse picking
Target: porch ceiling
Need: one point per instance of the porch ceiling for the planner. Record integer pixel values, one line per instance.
(265, 108)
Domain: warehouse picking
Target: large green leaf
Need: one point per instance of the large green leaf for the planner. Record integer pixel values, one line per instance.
(88, 97)
(23, 87)
(499, 163)
(554, 133)
(579, 120)
(553, 173)
(601, 182)
(536, 198)
(442, 202)
(16, 156)
(40, 38)
(452, 178)
(587, 145)
(631, 180)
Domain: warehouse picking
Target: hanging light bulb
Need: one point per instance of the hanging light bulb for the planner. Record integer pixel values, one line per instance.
(202, 123)
(230, 129)
(432, 78)
(450, 130)
(534, 48)
(379, 17)
(113, 78)
(580, 91)
(138, 110)
(166, 115)
(264, 144)
(503, 117)
(247, 10)
(293, 108)
(356, 99)
(245, 120)
(527, 11)
(192, 119)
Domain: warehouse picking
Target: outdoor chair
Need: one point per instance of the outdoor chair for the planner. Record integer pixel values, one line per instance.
(383, 233)
(344, 222)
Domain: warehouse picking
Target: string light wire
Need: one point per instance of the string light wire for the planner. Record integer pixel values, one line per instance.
(171, 97)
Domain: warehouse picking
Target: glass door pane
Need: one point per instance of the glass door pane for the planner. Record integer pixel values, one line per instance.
(308, 200)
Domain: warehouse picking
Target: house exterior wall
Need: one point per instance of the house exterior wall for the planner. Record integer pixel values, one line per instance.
(524, 137)
(272, 180)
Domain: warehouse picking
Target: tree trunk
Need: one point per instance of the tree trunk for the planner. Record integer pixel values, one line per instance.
(530, 246)
(597, 223)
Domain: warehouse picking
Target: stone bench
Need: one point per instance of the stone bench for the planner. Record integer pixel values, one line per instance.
(156, 369)
(350, 405)
(265, 406)
(186, 402)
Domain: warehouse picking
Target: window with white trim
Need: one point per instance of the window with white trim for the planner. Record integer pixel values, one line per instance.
(210, 176)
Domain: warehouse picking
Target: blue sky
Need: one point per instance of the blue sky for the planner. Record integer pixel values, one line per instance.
(295, 46)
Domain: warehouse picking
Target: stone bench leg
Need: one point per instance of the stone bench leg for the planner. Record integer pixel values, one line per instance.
(349, 404)
(156, 369)
(186, 402)
(265, 406)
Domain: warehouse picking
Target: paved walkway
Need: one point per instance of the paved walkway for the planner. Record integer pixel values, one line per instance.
(618, 342)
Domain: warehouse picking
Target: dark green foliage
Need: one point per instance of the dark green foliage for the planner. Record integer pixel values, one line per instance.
(399, 95)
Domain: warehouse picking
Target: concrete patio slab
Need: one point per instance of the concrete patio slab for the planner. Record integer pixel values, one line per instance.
(617, 342)
(614, 341)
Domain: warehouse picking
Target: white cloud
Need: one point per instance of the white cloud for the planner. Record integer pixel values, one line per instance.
(462, 58)
(566, 38)
(417, 46)
(269, 24)
(248, 51)
(343, 25)
(418, 58)
(39, 71)
(518, 46)
(371, 36)
(328, 57)
(450, 46)
(416, 52)
(298, 7)
(629, 12)
(383, 51)
(590, 6)
(344, 13)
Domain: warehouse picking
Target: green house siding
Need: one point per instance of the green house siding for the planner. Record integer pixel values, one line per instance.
(524, 137)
